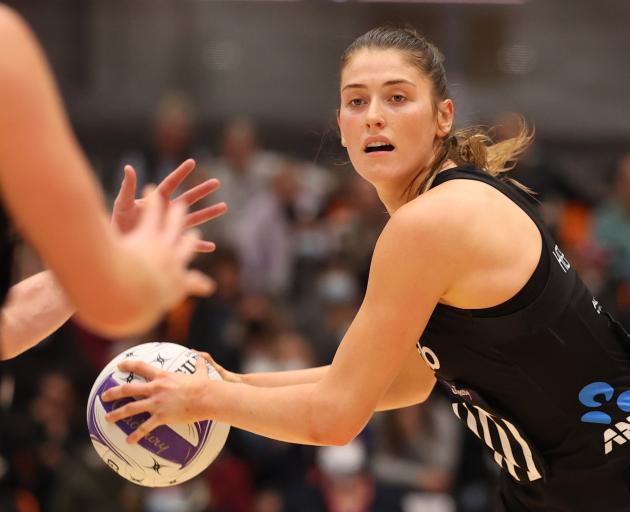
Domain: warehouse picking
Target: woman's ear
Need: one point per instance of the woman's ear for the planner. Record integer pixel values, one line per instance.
(343, 140)
(445, 117)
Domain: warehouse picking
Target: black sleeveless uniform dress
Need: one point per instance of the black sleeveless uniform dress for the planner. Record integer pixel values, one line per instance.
(543, 380)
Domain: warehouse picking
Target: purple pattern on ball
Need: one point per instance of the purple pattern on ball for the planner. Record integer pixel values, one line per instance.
(97, 434)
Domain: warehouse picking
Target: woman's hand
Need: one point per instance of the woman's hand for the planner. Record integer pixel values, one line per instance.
(127, 209)
(158, 243)
(226, 375)
(168, 397)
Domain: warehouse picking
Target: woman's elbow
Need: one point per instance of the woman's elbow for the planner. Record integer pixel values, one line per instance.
(338, 436)
(333, 424)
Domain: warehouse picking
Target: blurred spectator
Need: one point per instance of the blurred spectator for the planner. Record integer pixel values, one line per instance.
(39, 440)
(85, 483)
(171, 142)
(192, 496)
(230, 482)
(335, 299)
(244, 171)
(268, 500)
(292, 352)
(417, 448)
(341, 482)
(262, 238)
(612, 222)
(271, 346)
(214, 322)
(259, 188)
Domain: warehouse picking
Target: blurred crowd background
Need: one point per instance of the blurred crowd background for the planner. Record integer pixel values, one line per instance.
(249, 89)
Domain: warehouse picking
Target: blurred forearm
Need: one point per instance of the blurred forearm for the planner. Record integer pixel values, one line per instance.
(34, 309)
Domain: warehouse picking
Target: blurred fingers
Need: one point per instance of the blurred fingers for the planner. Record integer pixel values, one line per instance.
(198, 192)
(175, 178)
(174, 222)
(199, 284)
(205, 246)
(153, 209)
(205, 214)
(186, 246)
(127, 193)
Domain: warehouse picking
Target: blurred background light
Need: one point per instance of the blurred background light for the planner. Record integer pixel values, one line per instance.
(516, 59)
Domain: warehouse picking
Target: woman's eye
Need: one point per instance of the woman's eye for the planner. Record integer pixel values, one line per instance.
(355, 102)
(398, 98)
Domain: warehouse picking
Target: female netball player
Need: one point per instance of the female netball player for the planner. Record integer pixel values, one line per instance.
(466, 287)
(121, 277)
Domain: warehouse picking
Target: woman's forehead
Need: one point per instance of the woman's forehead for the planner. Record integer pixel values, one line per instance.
(379, 67)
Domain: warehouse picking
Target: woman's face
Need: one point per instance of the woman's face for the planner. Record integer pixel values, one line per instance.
(387, 118)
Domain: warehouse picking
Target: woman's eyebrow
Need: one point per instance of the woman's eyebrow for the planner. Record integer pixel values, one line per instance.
(386, 84)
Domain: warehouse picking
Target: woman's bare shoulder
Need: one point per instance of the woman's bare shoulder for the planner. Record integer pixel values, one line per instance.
(19, 44)
(426, 233)
(445, 211)
(11, 23)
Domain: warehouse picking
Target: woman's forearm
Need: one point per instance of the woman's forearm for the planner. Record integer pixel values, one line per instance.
(409, 388)
(298, 413)
(286, 378)
(34, 309)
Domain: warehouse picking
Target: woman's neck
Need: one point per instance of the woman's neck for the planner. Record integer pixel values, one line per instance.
(396, 196)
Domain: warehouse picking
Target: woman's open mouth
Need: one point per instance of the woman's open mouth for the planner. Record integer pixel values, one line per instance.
(379, 147)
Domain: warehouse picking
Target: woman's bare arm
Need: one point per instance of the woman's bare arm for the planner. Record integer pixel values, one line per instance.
(412, 385)
(35, 307)
(411, 269)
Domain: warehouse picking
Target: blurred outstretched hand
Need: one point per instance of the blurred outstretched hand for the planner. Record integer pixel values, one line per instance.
(127, 209)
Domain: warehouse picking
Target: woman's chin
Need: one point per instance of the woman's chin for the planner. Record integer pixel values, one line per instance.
(382, 174)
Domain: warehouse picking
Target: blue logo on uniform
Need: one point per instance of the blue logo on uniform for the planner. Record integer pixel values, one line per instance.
(594, 395)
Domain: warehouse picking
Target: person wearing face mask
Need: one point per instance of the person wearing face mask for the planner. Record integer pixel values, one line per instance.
(466, 288)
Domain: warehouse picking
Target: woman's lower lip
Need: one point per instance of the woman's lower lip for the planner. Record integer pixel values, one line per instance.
(379, 153)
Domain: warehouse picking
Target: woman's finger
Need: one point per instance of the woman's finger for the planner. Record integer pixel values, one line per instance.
(141, 368)
(144, 428)
(175, 178)
(205, 246)
(205, 356)
(205, 214)
(153, 209)
(128, 410)
(199, 284)
(126, 390)
(174, 222)
(186, 245)
(201, 369)
(127, 194)
(198, 192)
